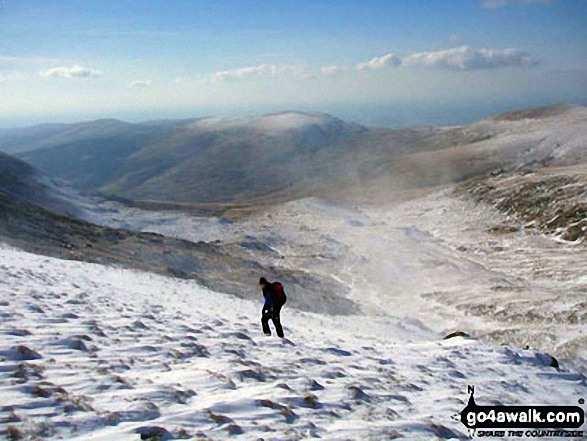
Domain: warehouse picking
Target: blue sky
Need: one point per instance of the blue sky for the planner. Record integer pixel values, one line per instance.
(378, 61)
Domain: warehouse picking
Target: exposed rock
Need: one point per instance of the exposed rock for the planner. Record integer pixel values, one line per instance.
(21, 353)
(457, 334)
(154, 433)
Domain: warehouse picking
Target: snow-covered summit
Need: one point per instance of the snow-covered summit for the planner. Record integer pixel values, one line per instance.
(275, 122)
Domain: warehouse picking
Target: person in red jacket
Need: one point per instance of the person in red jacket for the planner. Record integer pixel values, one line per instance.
(274, 300)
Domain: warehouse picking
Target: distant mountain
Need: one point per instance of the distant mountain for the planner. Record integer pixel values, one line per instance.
(21, 182)
(203, 160)
(39, 215)
(284, 156)
(49, 135)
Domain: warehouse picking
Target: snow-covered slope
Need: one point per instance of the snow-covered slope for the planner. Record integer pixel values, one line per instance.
(444, 259)
(23, 183)
(96, 353)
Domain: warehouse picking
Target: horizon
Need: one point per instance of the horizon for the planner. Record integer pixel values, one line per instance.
(376, 63)
(377, 119)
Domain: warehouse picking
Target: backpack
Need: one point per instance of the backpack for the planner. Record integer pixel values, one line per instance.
(280, 297)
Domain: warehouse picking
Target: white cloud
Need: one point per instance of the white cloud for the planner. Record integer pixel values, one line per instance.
(262, 71)
(466, 58)
(460, 58)
(333, 70)
(496, 4)
(140, 84)
(75, 71)
(388, 60)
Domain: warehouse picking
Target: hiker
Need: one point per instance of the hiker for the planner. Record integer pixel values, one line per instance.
(274, 300)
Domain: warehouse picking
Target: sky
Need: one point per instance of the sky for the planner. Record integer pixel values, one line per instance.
(379, 62)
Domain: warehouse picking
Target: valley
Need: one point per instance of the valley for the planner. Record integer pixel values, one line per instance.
(127, 311)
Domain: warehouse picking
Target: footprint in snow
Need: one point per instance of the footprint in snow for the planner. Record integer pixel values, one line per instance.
(96, 330)
(282, 410)
(56, 320)
(309, 360)
(310, 430)
(219, 419)
(18, 332)
(115, 382)
(314, 385)
(309, 401)
(239, 335)
(339, 352)
(336, 373)
(145, 348)
(424, 369)
(456, 374)
(118, 368)
(358, 394)
(143, 412)
(391, 414)
(397, 397)
(170, 395)
(237, 352)
(404, 386)
(252, 374)
(188, 330)
(192, 349)
(139, 325)
(226, 381)
(5, 316)
(445, 362)
(77, 343)
(437, 430)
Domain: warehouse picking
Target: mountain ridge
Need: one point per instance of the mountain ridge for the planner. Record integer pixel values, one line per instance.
(286, 155)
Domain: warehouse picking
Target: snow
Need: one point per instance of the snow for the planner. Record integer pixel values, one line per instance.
(289, 121)
(272, 123)
(431, 261)
(124, 351)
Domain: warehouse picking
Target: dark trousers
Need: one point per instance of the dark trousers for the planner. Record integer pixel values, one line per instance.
(272, 314)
